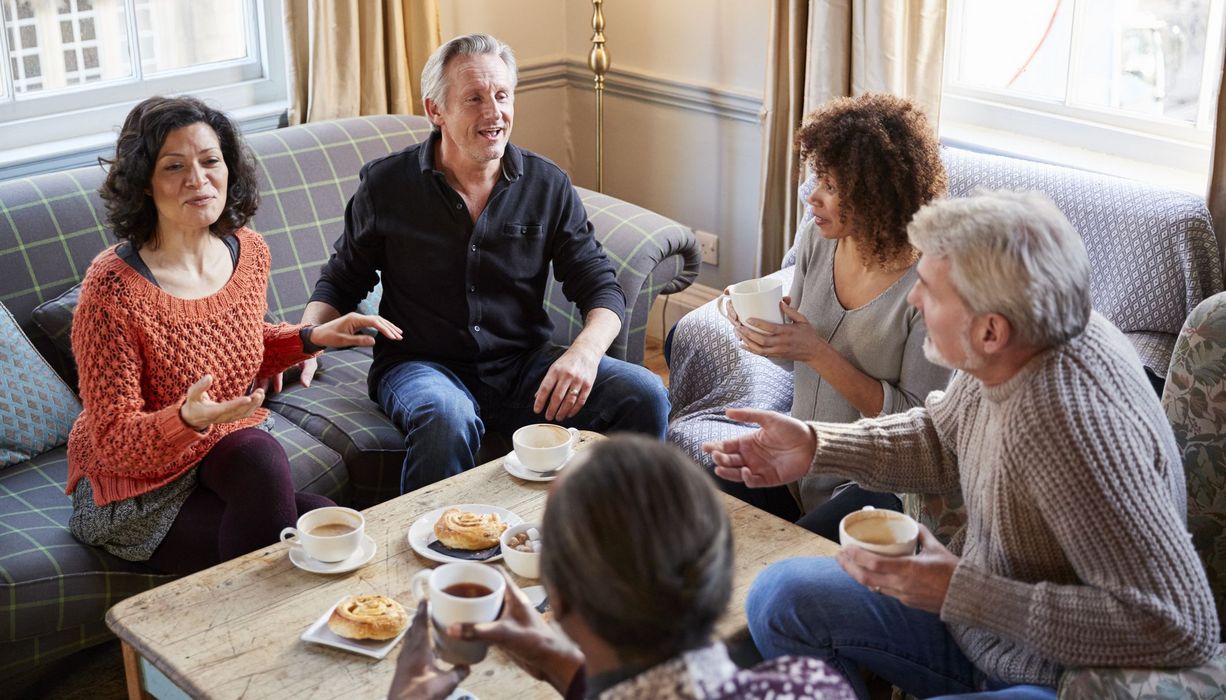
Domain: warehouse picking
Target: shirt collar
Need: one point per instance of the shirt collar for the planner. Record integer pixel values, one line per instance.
(512, 158)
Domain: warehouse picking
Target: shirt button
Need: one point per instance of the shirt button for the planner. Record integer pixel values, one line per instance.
(459, 205)
(474, 248)
(477, 329)
(472, 288)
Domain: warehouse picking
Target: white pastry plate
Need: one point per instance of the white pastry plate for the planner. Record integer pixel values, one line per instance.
(421, 533)
(320, 634)
(516, 469)
(363, 554)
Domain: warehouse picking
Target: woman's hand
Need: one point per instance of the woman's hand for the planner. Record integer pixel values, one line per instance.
(787, 341)
(417, 674)
(199, 411)
(531, 643)
(343, 332)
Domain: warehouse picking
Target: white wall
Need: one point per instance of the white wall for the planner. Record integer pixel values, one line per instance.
(681, 135)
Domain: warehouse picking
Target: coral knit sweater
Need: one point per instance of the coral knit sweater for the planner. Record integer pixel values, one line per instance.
(138, 349)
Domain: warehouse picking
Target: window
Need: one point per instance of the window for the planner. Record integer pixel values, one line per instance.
(1131, 79)
(75, 67)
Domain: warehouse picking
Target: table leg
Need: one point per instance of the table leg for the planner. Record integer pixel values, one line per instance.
(131, 671)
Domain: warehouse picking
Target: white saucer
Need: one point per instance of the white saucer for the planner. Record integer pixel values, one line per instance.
(364, 553)
(517, 469)
(319, 633)
(421, 532)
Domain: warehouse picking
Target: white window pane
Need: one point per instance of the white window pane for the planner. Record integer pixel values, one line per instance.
(57, 43)
(1142, 56)
(1019, 47)
(175, 35)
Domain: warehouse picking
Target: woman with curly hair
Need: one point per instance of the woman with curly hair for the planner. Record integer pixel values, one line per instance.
(167, 463)
(855, 344)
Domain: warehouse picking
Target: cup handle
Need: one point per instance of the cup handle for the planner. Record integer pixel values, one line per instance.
(291, 532)
(721, 305)
(418, 584)
(574, 437)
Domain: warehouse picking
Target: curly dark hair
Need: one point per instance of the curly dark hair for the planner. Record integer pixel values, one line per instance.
(130, 208)
(885, 161)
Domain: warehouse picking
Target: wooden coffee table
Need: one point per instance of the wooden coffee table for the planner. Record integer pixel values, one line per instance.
(232, 631)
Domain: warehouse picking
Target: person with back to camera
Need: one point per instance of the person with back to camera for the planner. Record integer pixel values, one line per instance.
(637, 564)
(167, 463)
(855, 345)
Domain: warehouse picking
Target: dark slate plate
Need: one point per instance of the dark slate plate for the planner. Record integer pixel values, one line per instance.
(465, 554)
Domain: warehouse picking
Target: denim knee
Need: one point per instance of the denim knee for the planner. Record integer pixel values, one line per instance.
(632, 398)
(788, 601)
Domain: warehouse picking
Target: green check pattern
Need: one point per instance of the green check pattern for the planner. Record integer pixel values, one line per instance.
(54, 591)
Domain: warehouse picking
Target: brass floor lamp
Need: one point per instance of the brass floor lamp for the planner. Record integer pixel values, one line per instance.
(598, 61)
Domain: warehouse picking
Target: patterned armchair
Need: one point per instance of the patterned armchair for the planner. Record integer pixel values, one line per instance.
(1195, 403)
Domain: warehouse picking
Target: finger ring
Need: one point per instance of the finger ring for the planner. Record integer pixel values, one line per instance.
(876, 589)
(574, 392)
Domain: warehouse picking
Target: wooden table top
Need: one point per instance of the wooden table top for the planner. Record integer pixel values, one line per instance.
(233, 630)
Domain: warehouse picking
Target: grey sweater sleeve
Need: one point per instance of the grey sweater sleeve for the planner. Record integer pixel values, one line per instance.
(1142, 598)
(917, 376)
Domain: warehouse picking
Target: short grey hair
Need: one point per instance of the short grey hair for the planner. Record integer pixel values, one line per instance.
(638, 544)
(1015, 254)
(433, 75)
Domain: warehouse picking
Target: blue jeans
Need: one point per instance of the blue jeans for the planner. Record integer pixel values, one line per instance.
(444, 418)
(811, 607)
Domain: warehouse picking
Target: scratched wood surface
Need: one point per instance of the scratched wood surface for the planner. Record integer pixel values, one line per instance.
(232, 631)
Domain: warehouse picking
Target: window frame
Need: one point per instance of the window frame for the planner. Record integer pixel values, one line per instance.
(991, 119)
(55, 129)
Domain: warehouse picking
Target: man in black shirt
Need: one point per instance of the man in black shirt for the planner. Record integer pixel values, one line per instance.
(463, 228)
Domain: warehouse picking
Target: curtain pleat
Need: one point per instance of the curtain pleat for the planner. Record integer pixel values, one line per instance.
(355, 57)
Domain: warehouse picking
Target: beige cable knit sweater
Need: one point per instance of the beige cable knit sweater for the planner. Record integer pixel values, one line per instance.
(1076, 551)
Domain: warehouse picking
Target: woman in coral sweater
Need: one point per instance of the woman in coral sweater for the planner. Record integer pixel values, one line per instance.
(172, 461)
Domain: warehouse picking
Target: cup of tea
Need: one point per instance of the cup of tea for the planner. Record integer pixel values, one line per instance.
(885, 532)
(459, 593)
(754, 299)
(543, 447)
(327, 534)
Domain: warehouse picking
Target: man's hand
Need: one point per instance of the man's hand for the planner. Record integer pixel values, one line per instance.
(343, 332)
(199, 411)
(417, 675)
(780, 452)
(788, 341)
(531, 643)
(919, 581)
(567, 384)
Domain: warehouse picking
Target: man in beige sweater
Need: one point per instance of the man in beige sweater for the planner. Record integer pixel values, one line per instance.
(1075, 552)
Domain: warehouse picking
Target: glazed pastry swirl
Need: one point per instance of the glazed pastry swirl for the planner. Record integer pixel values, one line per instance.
(368, 617)
(469, 531)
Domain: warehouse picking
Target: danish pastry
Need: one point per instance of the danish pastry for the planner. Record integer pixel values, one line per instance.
(469, 531)
(368, 617)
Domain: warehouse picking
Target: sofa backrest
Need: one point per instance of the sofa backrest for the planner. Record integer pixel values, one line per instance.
(1153, 251)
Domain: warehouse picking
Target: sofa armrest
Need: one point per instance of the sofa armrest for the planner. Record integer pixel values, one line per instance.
(651, 255)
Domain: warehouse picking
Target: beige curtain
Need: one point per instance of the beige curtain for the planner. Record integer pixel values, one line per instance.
(821, 49)
(354, 57)
(1217, 171)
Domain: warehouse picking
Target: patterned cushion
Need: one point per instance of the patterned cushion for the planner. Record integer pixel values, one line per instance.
(337, 409)
(55, 319)
(36, 408)
(1194, 398)
(1206, 681)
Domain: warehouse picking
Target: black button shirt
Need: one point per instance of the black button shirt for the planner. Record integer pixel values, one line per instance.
(469, 296)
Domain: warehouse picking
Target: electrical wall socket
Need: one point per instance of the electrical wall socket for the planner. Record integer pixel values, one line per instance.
(709, 244)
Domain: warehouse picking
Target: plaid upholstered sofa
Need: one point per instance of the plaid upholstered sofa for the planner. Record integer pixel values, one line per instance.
(54, 591)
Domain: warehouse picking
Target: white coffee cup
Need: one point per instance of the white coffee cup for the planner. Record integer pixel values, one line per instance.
(327, 534)
(754, 299)
(543, 447)
(885, 532)
(459, 593)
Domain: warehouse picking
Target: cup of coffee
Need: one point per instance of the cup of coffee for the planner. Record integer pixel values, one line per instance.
(543, 447)
(327, 534)
(754, 299)
(459, 593)
(885, 532)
